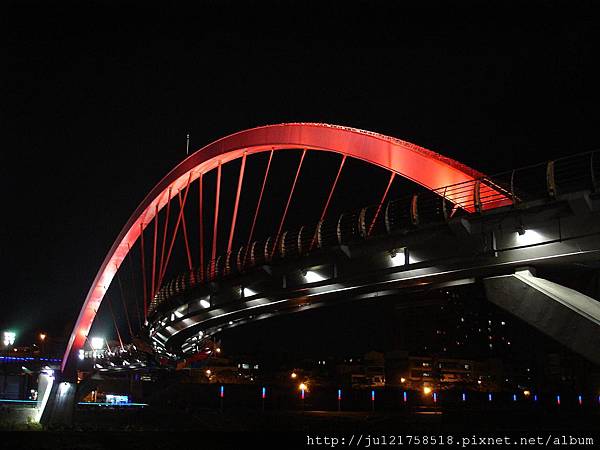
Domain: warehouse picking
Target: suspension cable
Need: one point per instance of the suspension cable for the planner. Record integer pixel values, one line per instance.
(287, 205)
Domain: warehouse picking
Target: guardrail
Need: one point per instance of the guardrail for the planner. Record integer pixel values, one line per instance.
(508, 189)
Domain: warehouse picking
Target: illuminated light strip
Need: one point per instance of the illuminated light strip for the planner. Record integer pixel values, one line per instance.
(112, 404)
(405, 396)
(264, 393)
(339, 396)
(222, 391)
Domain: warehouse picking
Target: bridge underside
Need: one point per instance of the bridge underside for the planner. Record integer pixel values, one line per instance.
(491, 246)
(562, 313)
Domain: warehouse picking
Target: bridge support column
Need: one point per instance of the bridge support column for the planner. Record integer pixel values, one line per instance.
(564, 314)
(60, 404)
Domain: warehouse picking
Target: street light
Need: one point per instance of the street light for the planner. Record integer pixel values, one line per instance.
(9, 338)
(97, 343)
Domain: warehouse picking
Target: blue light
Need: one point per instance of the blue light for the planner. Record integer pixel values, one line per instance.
(464, 397)
(405, 397)
(514, 397)
(535, 397)
(490, 397)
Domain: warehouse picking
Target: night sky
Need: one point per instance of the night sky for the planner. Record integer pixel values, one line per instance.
(96, 100)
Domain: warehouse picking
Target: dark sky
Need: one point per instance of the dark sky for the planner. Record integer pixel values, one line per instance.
(96, 100)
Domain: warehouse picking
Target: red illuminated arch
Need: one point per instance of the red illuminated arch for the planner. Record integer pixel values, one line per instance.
(420, 165)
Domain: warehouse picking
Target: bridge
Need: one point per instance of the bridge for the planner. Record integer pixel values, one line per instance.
(458, 227)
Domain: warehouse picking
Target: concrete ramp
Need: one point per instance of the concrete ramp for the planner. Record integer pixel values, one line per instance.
(564, 314)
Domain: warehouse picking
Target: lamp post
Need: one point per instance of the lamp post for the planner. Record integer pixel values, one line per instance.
(8, 339)
(43, 343)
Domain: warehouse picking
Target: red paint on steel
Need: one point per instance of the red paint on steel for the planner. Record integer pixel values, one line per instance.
(380, 205)
(143, 272)
(164, 239)
(237, 202)
(324, 212)
(216, 218)
(289, 200)
(260, 196)
(423, 166)
(201, 220)
(185, 234)
(179, 216)
(153, 287)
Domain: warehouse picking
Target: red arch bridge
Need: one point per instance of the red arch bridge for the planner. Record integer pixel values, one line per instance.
(455, 226)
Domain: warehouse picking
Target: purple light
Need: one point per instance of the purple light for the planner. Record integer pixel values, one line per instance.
(405, 397)
(464, 397)
(490, 397)
(302, 394)
(558, 400)
(535, 398)
(222, 392)
(514, 397)
(264, 392)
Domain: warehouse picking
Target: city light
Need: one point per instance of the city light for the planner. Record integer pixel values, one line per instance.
(208, 372)
(97, 343)
(302, 387)
(9, 338)
(218, 350)
(313, 277)
(426, 390)
(294, 375)
(81, 354)
(526, 393)
(42, 337)
(402, 380)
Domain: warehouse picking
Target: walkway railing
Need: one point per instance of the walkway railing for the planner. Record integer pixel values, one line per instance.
(547, 180)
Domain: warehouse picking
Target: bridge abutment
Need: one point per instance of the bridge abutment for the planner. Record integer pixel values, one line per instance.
(564, 314)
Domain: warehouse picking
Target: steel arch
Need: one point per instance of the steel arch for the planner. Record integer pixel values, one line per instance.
(418, 164)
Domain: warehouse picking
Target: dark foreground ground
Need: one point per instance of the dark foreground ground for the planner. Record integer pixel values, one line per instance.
(153, 429)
